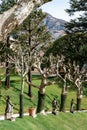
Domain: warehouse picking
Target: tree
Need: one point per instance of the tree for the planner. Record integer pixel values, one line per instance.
(20, 58)
(79, 24)
(5, 51)
(45, 73)
(77, 75)
(7, 80)
(73, 48)
(30, 39)
(62, 73)
(38, 36)
(34, 33)
(5, 5)
(16, 14)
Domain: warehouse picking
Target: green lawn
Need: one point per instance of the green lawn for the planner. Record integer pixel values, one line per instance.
(51, 92)
(63, 121)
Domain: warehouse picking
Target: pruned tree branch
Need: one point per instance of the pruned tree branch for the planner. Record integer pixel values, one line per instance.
(31, 83)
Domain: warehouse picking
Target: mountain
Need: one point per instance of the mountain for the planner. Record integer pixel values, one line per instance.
(55, 26)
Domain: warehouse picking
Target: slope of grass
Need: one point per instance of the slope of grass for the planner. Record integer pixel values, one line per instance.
(63, 121)
(51, 92)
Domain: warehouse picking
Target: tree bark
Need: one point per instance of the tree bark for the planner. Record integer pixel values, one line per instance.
(29, 72)
(63, 97)
(15, 16)
(7, 80)
(22, 89)
(21, 106)
(41, 102)
(63, 102)
(78, 106)
(30, 80)
(79, 98)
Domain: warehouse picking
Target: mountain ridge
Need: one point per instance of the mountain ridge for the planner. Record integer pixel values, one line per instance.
(55, 26)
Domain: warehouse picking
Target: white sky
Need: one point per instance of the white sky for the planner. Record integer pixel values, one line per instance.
(57, 9)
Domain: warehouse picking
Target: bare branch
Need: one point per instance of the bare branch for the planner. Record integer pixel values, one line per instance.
(31, 83)
(50, 83)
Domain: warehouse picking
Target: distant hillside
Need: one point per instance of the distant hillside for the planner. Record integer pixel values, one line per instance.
(55, 26)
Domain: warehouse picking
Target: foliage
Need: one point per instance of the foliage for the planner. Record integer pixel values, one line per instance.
(79, 24)
(6, 4)
(37, 35)
(72, 46)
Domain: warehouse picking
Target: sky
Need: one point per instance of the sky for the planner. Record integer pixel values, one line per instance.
(57, 9)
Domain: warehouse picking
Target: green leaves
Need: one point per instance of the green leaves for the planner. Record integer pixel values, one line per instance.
(72, 46)
(6, 4)
(80, 23)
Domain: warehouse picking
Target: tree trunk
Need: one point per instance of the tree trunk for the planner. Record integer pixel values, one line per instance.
(63, 102)
(79, 98)
(21, 106)
(41, 102)
(30, 80)
(21, 93)
(78, 106)
(7, 80)
(0, 88)
(29, 72)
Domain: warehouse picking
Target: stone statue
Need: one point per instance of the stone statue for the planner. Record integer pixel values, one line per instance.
(8, 109)
(72, 106)
(54, 106)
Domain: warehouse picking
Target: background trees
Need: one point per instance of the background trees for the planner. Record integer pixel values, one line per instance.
(73, 48)
(38, 37)
(79, 24)
(32, 31)
(35, 35)
(32, 37)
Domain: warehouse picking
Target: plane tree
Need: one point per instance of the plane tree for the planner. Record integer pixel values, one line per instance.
(16, 14)
(38, 36)
(32, 36)
(5, 6)
(73, 48)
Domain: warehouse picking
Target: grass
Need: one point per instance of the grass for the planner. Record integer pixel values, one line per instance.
(63, 121)
(51, 92)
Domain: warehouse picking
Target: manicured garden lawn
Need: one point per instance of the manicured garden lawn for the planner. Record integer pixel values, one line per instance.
(51, 92)
(63, 121)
